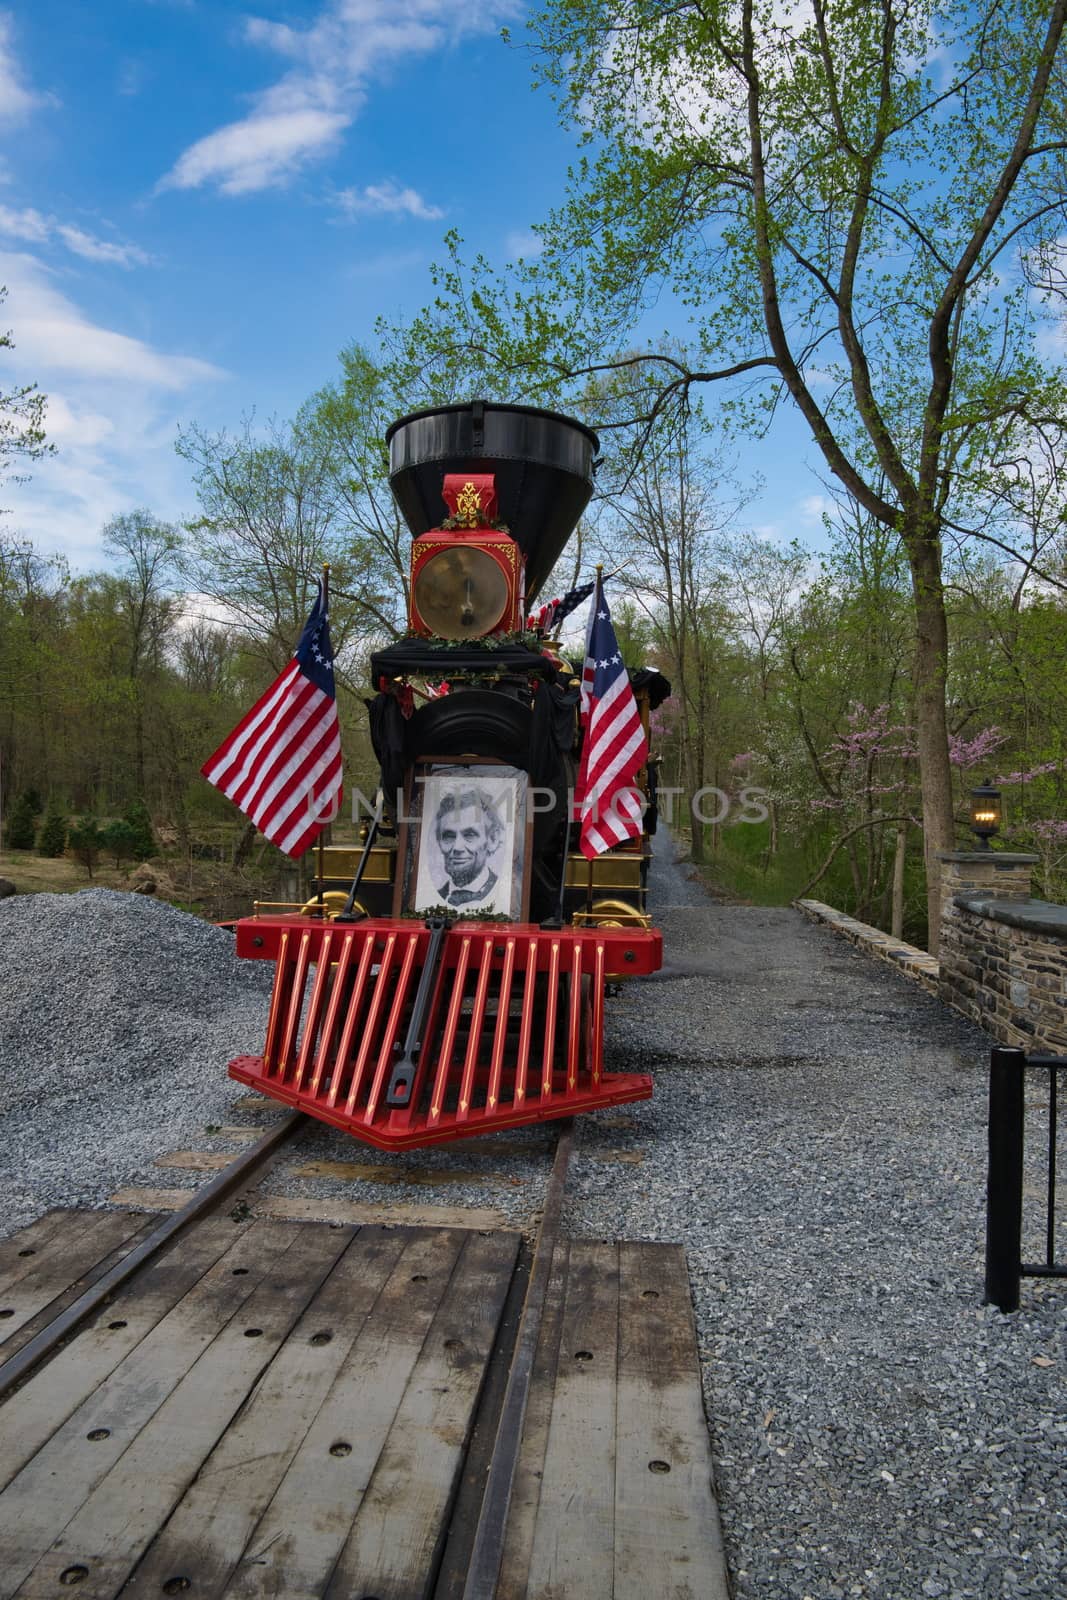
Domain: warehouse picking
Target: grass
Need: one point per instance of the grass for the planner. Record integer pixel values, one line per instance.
(740, 868)
(203, 888)
(34, 874)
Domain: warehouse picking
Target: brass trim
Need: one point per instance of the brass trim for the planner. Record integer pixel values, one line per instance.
(504, 546)
(611, 914)
(341, 861)
(331, 905)
(609, 871)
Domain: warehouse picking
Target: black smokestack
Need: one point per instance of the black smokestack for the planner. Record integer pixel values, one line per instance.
(543, 464)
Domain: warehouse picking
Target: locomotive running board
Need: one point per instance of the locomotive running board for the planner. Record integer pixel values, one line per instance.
(513, 1030)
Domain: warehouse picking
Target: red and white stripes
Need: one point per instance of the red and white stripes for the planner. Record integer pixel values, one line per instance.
(282, 763)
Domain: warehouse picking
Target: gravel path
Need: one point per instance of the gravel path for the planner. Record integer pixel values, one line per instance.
(817, 1141)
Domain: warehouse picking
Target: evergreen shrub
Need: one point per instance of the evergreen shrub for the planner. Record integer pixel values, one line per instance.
(144, 840)
(85, 842)
(52, 839)
(18, 828)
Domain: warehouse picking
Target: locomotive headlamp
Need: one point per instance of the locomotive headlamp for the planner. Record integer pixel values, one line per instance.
(985, 813)
(461, 593)
(466, 575)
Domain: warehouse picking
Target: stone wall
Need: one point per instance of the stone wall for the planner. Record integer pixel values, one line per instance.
(1003, 956)
(905, 958)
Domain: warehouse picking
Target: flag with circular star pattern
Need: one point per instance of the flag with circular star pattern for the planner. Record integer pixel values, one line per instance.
(614, 748)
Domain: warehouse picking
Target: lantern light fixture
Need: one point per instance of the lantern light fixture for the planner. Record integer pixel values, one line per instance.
(986, 813)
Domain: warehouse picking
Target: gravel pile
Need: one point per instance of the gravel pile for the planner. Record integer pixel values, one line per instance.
(817, 1141)
(118, 1014)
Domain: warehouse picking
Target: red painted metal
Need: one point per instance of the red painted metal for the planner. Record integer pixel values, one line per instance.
(513, 1034)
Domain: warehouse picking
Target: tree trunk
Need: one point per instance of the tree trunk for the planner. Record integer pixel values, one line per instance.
(857, 881)
(244, 844)
(896, 924)
(935, 773)
(696, 851)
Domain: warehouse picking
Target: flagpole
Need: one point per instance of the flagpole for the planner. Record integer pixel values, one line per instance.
(322, 831)
(597, 595)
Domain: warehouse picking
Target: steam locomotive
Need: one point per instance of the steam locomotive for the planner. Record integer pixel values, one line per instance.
(448, 978)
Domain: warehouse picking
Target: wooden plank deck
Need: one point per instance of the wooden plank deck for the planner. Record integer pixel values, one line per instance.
(46, 1266)
(280, 1409)
(613, 1496)
(267, 1408)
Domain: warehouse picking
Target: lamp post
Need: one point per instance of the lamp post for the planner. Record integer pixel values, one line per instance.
(985, 813)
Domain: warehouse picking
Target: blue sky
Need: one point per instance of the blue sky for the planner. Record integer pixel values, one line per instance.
(202, 201)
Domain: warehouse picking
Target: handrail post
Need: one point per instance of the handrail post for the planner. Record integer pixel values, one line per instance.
(1004, 1184)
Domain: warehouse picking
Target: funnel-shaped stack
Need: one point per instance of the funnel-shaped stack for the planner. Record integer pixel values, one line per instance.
(542, 462)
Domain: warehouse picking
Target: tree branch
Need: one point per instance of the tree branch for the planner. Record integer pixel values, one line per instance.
(861, 827)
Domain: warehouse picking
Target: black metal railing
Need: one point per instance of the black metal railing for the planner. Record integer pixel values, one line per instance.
(1004, 1265)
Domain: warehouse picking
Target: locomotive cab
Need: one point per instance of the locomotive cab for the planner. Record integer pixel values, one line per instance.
(450, 977)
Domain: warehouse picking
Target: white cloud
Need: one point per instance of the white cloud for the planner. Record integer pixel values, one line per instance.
(34, 228)
(113, 409)
(813, 507)
(387, 198)
(70, 425)
(257, 153)
(302, 116)
(54, 336)
(523, 244)
(16, 101)
(26, 224)
(84, 244)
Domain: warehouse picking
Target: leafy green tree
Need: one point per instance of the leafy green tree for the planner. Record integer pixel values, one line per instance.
(31, 663)
(119, 839)
(19, 830)
(663, 510)
(839, 191)
(142, 839)
(22, 414)
(147, 553)
(265, 530)
(86, 842)
(52, 839)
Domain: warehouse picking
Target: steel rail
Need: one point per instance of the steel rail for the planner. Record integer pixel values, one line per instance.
(487, 1551)
(202, 1201)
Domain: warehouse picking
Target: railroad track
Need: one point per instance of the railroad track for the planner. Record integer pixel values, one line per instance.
(476, 1541)
(442, 1413)
(241, 1176)
(205, 1200)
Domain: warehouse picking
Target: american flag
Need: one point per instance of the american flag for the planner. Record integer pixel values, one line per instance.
(282, 763)
(549, 617)
(614, 748)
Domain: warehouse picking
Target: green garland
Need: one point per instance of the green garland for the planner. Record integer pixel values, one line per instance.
(450, 914)
(490, 641)
(462, 525)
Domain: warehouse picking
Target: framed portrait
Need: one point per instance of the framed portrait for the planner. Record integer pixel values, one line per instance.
(466, 825)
